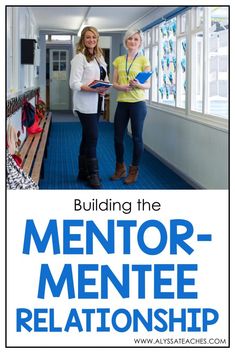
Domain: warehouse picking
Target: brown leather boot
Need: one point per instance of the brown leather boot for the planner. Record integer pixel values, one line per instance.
(120, 172)
(133, 175)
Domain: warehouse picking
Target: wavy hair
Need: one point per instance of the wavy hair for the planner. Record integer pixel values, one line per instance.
(81, 48)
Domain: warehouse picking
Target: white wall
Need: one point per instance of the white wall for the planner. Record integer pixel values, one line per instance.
(199, 152)
(21, 78)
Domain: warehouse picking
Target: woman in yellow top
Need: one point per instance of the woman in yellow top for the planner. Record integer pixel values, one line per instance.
(131, 104)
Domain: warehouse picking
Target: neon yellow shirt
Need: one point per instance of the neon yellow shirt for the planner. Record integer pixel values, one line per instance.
(138, 65)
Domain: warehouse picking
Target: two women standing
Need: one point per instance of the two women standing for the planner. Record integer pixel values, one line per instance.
(89, 65)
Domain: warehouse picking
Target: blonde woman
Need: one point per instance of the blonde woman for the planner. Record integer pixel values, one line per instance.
(88, 65)
(131, 104)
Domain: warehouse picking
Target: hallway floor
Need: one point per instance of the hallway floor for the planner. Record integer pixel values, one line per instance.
(61, 165)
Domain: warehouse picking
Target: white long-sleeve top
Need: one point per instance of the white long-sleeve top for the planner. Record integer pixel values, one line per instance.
(83, 73)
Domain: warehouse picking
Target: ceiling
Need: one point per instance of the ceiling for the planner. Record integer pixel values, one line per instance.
(68, 19)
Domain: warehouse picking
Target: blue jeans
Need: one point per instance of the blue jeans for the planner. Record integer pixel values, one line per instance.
(136, 113)
(89, 140)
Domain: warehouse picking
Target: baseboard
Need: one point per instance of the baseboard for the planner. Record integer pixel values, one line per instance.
(188, 180)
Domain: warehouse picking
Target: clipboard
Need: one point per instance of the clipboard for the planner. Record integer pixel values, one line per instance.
(143, 76)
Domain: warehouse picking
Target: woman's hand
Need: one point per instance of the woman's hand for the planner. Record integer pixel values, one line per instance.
(135, 84)
(116, 85)
(125, 88)
(101, 90)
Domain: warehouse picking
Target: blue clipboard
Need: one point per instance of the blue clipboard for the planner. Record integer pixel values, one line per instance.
(143, 76)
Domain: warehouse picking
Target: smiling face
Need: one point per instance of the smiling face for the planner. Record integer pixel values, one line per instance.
(133, 42)
(90, 40)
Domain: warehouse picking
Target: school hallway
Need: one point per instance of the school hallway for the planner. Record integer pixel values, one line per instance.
(187, 124)
(61, 164)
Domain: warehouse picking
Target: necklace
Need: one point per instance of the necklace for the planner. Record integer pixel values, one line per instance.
(128, 69)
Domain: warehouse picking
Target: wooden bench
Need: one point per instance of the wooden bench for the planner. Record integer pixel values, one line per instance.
(34, 149)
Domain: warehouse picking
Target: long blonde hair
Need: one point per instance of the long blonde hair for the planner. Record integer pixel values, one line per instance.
(81, 48)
